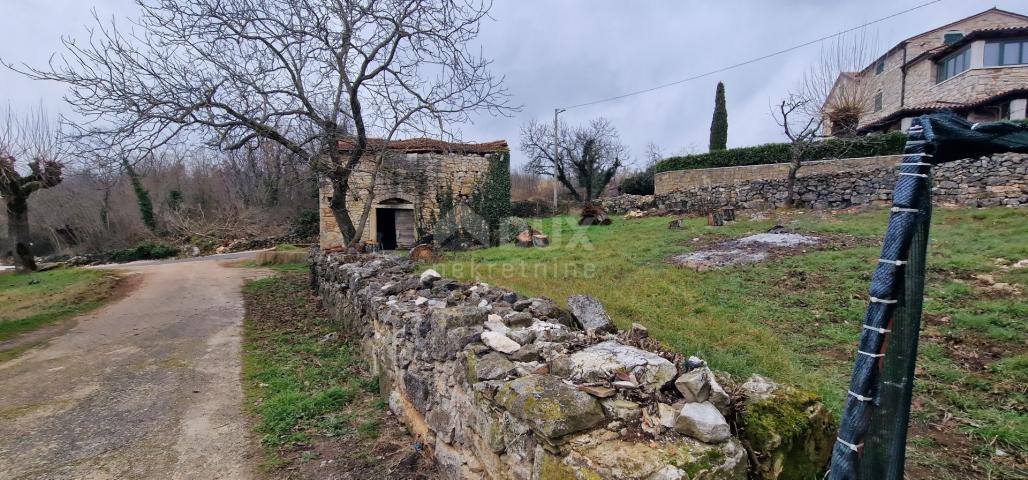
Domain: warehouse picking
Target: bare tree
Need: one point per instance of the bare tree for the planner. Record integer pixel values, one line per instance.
(586, 160)
(31, 137)
(836, 85)
(801, 126)
(305, 74)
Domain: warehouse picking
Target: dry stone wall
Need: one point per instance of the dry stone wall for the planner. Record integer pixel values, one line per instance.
(999, 180)
(499, 386)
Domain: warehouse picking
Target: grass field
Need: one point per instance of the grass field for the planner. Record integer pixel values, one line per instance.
(32, 301)
(797, 319)
(312, 400)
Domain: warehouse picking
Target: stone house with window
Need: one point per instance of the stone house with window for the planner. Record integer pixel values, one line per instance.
(419, 179)
(976, 66)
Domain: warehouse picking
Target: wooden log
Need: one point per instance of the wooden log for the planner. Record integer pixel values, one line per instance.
(540, 240)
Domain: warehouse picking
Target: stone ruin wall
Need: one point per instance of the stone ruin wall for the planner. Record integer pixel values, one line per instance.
(999, 180)
(418, 178)
(498, 386)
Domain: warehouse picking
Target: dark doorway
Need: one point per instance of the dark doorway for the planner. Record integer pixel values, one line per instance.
(385, 219)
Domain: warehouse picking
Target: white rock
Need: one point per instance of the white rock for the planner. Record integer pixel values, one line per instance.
(499, 342)
(667, 415)
(484, 303)
(703, 422)
(718, 396)
(600, 361)
(494, 318)
(694, 385)
(429, 276)
(420, 301)
(498, 327)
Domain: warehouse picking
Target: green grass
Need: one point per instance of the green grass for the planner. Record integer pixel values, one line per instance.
(30, 301)
(281, 268)
(298, 387)
(797, 319)
(288, 247)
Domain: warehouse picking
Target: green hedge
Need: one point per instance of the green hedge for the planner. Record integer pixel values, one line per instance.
(868, 146)
(144, 251)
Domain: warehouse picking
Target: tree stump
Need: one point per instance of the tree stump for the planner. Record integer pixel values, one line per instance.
(423, 253)
(714, 219)
(675, 224)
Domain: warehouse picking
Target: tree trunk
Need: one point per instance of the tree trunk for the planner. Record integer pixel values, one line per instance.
(796, 161)
(790, 184)
(339, 209)
(18, 232)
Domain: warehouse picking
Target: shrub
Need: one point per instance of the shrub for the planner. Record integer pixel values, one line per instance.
(639, 183)
(869, 146)
(145, 251)
(531, 208)
(306, 224)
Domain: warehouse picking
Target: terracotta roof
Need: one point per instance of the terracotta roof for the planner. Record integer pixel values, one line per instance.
(428, 145)
(904, 42)
(998, 32)
(938, 106)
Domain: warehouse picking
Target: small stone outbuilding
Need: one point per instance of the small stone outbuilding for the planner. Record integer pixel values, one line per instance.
(419, 180)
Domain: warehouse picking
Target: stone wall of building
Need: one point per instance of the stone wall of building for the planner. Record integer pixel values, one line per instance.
(418, 179)
(1000, 180)
(498, 386)
(920, 77)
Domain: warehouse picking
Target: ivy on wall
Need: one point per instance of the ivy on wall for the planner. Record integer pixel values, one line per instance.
(491, 200)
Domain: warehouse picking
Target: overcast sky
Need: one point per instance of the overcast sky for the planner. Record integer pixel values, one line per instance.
(560, 53)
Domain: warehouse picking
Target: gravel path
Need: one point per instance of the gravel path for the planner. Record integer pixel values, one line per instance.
(147, 387)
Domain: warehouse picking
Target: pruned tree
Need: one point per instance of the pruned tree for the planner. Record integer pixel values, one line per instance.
(836, 83)
(802, 129)
(719, 121)
(585, 158)
(305, 74)
(34, 141)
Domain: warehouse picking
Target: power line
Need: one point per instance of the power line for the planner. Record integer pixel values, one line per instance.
(753, 60)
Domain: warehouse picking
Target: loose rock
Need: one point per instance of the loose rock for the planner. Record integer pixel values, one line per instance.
(500, 342)
(703, 422)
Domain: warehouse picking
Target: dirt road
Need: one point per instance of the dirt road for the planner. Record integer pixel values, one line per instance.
(147, 387)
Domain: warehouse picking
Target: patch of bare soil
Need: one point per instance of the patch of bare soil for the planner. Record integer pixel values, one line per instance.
(124, 285)
(393, 455)
(713, 252)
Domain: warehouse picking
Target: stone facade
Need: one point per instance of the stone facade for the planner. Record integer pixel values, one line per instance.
(498, 386)
(908, 80)
(414, 181)
(1000, 180)
(625, 202)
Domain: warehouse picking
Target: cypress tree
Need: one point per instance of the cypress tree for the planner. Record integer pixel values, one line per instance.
(719, 123)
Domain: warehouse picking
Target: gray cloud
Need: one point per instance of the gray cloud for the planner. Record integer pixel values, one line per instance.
(556, 54)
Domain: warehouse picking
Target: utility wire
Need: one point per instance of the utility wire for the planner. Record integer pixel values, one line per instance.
(753, 60)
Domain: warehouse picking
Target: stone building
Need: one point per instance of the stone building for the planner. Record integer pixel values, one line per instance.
(976, 66)
(418, 180)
